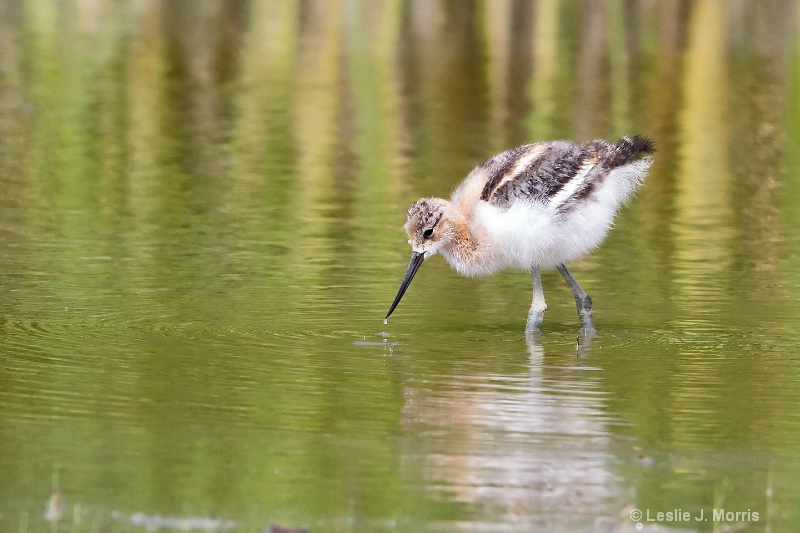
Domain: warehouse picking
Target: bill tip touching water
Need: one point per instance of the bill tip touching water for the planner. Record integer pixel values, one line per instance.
(533, 207)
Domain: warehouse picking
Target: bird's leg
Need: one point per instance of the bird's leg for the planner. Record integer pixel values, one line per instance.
(538, 307)
(582, 301)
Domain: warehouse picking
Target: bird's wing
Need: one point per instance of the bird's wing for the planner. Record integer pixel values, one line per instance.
(557, 173)
(549, 173)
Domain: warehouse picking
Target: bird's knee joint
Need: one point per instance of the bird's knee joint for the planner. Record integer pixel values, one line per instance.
(538, 309)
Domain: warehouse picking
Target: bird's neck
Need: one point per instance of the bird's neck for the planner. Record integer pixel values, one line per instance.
(463, 247)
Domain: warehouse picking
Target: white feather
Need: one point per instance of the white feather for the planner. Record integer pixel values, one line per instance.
(572, 185)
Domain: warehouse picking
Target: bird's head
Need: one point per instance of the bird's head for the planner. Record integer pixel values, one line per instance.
(429, 228)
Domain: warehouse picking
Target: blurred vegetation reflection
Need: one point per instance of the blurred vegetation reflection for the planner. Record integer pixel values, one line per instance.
(201, 208)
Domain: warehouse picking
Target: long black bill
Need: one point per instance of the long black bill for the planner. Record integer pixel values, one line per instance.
(413, 266)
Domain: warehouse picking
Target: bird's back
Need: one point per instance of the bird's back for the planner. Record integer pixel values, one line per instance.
(549, 202)
(558, 173)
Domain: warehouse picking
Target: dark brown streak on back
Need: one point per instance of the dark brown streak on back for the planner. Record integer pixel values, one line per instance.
(592, 181)
(610, 156)
(547, 175)
(593, 178)
(558, 164)
(498, 173)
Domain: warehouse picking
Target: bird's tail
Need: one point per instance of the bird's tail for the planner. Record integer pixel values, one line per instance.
(627, 150)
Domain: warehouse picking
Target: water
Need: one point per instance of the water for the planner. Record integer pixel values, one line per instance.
(201, 232)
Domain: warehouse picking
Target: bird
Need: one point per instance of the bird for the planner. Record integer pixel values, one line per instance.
(533, 207)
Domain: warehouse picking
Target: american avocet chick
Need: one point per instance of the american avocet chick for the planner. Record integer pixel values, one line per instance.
(533, 207)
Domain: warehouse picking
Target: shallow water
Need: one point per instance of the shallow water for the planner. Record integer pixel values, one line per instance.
(201, 232)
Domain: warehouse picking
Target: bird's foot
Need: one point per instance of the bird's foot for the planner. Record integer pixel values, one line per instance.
(587, 318)
(535, 319)
(586, 334)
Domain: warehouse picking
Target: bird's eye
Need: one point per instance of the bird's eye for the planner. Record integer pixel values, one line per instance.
(427, 233)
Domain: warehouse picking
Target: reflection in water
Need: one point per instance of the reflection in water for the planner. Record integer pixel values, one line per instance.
(98, 519)
(702, 177)
(54, 509)
(524, 452)
(189, 523)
